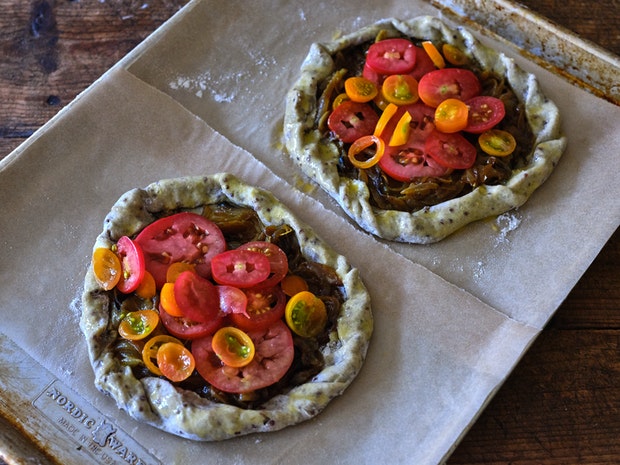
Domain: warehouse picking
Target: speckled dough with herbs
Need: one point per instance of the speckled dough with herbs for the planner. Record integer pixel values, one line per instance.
(211, 312)
(417, 129)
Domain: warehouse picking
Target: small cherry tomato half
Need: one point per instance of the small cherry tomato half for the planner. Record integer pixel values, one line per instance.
(132, 264)
(434, 54)
(351, 120)
(138, 325)
(451, 115)
(175, 361)
(292, 284)
(360, 89)
(484, 113)
(400, 89)
(274, 353)
(497, 142)
(240, 268)
(264, 307)
(391, 56)
(185, 328)
(106, 267)
(306, 314)
(233, 346)
(454, 55)
(278, 262)
(450, 150)
(176, 268)
(441, 84)
(196, 297)
(168, 301)
(360, 146)
(182, 237)
(150, 349)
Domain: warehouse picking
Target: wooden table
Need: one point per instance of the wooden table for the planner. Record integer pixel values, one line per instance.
(561, 405)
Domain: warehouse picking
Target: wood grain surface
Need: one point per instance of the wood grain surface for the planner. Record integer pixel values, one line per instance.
(561, 405)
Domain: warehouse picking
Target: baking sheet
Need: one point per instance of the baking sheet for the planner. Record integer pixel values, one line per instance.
(452, 319)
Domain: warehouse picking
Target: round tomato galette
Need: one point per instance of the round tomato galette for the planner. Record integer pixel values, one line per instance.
(417, 129)
(211, 312)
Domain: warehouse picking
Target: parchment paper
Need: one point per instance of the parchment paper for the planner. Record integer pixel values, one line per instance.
(451, 320)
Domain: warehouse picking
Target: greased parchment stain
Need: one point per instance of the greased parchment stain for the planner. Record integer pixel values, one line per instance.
(95, 435)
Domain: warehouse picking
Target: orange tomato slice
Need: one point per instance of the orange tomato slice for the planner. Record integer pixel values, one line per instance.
(434, 54)
(362, 144)
(454, 55)
(292, 284)
(168, 301)
(497, 142)
(385, 117)
(106, 267)
(150, 349)
(451, 115)
(176, 268)
(305, 314)
(138, 325)
(400, 89)
(360, 89)
(233, 346)
(175, 361)
(147, 288)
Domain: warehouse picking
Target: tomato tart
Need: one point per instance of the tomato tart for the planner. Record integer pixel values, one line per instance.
(210, 311)
(417, 129)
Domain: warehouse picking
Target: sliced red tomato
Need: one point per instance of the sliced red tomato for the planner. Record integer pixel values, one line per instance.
(410, 160)
(484, 113)
(132, 265)
(184, 328)
(450, 150)
(352, 120)
(232, 300)
(392, 56)
(278, 262)
(274, 353)
(240, 268)
(264, 307)
(196, 297)
(372, 75)
(423, 64)
(182, 237)
(442, 84)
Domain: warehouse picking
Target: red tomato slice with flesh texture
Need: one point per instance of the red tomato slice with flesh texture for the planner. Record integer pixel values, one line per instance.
(442, 84)
(410, 160)
(184, 328)
(131, 257)
(485, 112)
(423, 64)
(264, 307)
(450, 150)
(392, 56)
(232, 300)
(182, 237)
(352, 120)
(196, 297)
(240, 268)
(278, 262)
(272, 359)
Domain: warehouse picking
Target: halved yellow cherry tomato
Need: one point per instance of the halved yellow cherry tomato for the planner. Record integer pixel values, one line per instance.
(385, 117)
(454, 55)
(360, 89)
(168, 301)
(339, 99)
(150, 349)
(400, 89)
(233, 346)
(434, 54)
(106, 267)
(175, 361)
(292, 284)
(138, 325)
(147, 288)
(176, 268)
(451, 115)
(401, 132)
(362, 144)
(497, 142)
(305, 314)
